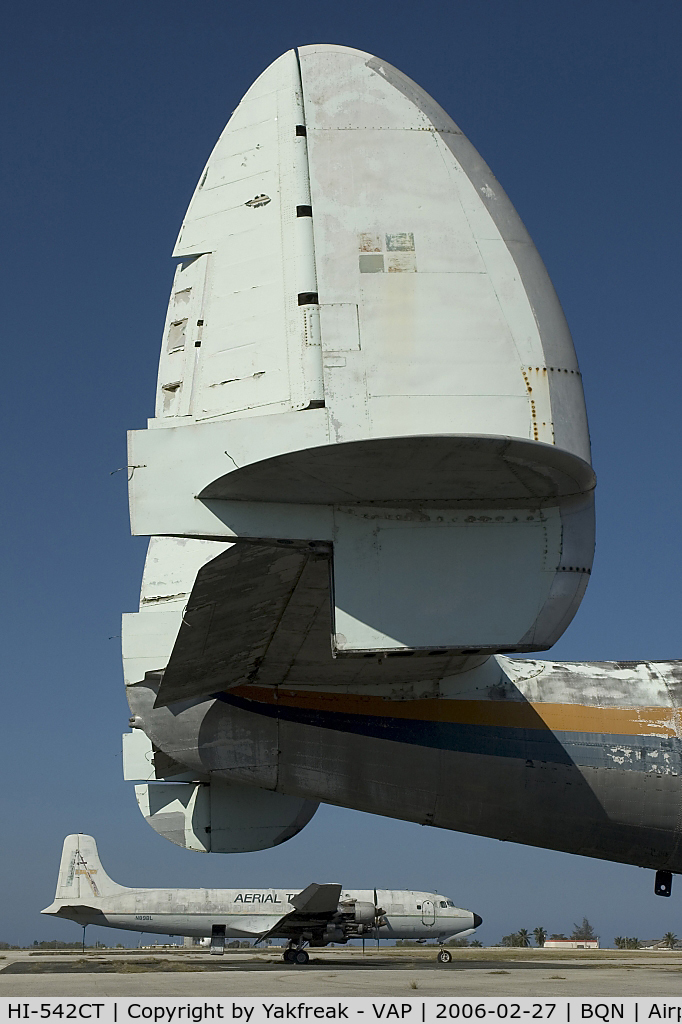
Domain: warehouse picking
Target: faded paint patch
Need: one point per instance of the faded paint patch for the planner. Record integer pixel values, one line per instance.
(368, 242)
(402, 241)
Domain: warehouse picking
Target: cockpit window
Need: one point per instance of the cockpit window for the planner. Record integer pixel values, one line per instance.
(443, 903)
(450, 903)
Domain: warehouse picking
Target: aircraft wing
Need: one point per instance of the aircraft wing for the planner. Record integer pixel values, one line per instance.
(316, 904)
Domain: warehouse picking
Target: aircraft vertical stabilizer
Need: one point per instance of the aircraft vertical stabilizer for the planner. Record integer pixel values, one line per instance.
(367, 485)
(81, 875)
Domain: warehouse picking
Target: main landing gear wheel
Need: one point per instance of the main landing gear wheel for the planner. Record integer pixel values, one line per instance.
(288, 955)
(444, 957)
(301, 957)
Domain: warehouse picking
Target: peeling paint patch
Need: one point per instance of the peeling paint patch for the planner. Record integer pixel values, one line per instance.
(258, 201)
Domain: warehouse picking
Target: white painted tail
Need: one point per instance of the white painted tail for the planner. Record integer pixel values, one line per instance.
(81, 875)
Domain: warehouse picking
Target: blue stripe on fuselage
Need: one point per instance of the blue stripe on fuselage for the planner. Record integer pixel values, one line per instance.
(595, 750)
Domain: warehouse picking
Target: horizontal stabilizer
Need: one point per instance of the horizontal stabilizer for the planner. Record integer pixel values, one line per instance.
(222, 817)
(69, 909)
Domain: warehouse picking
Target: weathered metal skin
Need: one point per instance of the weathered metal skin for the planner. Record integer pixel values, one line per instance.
(579, 757)
(367, 483)
(363, 350)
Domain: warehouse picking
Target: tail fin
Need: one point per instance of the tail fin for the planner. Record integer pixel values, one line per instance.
(81, 875)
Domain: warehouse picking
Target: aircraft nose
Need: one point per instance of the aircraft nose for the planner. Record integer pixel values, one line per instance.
(478, 921)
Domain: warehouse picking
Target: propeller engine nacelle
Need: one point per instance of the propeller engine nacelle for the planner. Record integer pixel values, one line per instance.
(358, 917)
(364, 913)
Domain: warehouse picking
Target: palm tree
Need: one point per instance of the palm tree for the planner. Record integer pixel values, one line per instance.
(539, 935)
(523, 937)
(670, 940)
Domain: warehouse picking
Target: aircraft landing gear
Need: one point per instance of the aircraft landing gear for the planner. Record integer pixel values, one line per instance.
(295, 955)
(445, 956)
(663, 886)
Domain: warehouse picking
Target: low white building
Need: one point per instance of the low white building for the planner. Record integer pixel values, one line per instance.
(571, 944)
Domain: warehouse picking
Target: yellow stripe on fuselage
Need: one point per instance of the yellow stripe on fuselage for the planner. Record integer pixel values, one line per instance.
(642, 721)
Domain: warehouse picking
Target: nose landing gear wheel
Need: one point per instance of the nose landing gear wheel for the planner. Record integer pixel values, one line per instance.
(301, 957)
(444, 957)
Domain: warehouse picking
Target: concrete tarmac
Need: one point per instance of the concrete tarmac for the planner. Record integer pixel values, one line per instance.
(343, 972)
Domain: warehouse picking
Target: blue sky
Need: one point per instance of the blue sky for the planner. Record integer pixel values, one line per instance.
(108, 112)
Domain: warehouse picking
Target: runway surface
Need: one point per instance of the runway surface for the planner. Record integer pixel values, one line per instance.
(343, 972)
